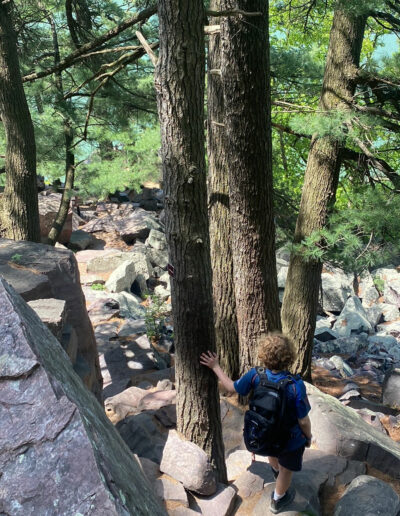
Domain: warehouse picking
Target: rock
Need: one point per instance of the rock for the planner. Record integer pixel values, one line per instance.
(64, 456)
(49, 204)
(389, 328)
(324, 334)
(156, 400)
(132, 327)
(52, 313)
(391, 293)
(282, 275)
(136, 226)
(69, 342)
(100, 261)
(143, 435)
(391, 388)
(80, 240)
(103, 310)
(389, 312)
(122, 277)
(130, 305)
(45, 272)
(343, 345)
(252, 480)
(343, 368)
(158, 258)
(162, 292)
(189, 464)
(157, 240)
(154, 376)
(352, 319)
(339, 430)
(124, 404)
(336, 288)
(104, 224)
(368, 495)
(371, 418)
(169, 490)
(143, 268)
(221, 503)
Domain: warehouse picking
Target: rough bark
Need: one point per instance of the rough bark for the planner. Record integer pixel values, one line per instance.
(19, 211)
(180, 85)
(225, 323)
(245, 79)
(300, 300)
(62, 213)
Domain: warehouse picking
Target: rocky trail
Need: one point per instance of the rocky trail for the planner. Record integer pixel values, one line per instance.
(120, 334)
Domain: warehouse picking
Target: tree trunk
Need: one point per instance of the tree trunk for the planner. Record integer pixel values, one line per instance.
(62, 213)
(300, 300)
(226, 333)
(180, 85)
(20, 213)
(63, 209)
(246, 84)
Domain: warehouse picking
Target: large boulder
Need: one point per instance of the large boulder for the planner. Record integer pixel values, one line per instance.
(336, 287)
(49, 204)
(352, 319)
(391, 388)
(39, 271)
(339, 430)
(64, 456)
(367, 495)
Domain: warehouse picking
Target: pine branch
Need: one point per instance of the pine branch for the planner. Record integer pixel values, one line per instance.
(92, 45)
(232, 12)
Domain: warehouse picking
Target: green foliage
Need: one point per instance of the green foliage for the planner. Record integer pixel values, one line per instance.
(155, 314)
(16, 258)
(379, 284)
(97, 286)
(362, 236)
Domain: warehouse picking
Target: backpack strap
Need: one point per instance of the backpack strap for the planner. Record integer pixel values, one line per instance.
(261, 373)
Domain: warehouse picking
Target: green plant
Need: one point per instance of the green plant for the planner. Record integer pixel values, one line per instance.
(156, 311)
(379, 284)
(16, 258)
(97, 286)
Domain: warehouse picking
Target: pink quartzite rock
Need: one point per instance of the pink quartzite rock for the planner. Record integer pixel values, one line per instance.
(49, 204)
(59, 455)
(39, 271)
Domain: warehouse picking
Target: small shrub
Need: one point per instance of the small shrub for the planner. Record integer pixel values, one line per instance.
(379, 284)
(16, 258)
(155, 314)
(97, 286)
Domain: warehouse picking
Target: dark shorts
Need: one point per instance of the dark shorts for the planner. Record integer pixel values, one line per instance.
(292, 460)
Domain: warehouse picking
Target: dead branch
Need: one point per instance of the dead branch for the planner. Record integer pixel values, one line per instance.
(147, 47)
(232, 12)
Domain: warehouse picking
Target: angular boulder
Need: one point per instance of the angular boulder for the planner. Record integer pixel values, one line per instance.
(352, 319)
(391, 388)
(368, 495)
(64, 456)
(339, 430)
(49, 204)
(43, 272)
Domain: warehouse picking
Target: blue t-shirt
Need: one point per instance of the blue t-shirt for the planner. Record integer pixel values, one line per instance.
(296, 395)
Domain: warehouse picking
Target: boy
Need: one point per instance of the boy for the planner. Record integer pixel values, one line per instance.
(276, 355)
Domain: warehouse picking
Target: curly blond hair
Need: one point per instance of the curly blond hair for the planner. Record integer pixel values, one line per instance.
(275, 351)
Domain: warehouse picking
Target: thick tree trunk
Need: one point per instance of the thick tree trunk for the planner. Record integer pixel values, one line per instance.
(226, 333)
(19, 211)
(245, 79)
(300, 300)
(180, 85)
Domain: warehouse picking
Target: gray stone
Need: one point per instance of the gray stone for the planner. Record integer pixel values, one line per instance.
(103, 310)
(156, 400)
(389, 328)
(157, 240)
(122, 277)
(374, 314)
(368, 496)
(104, 224)
(370, 297)
(100, 261)
(336, 288)
(339, 430)
(169, 490)
(162, 292)
(324, 334)
(52, 312)
(343, 368)
(132, 327)
(124, 404)
(344, 344)
(69, 342)
(136, 226)
(389, 312)
(352, 319)
(80, 240)
(189, 464)
(221, 503)
(282, 275)
(46, 272)
(391, 293)
(64, 456)
(158, 258)
(391, 388)
(49, 203)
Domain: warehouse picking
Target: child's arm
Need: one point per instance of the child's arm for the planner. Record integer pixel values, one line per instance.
(210, 360)
(305, 425)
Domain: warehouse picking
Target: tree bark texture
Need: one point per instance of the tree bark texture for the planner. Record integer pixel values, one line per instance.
(300, 300)
(225, 323)
(62, 213)
(19, 210)
(246, 85)
(180, 78)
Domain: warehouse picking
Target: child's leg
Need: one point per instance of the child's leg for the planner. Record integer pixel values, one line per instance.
(273, 461)
(283, 480)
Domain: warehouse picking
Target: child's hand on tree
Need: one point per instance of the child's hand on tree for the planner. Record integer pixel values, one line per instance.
(209, 359)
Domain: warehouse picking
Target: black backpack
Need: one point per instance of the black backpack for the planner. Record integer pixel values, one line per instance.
(268, 421)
